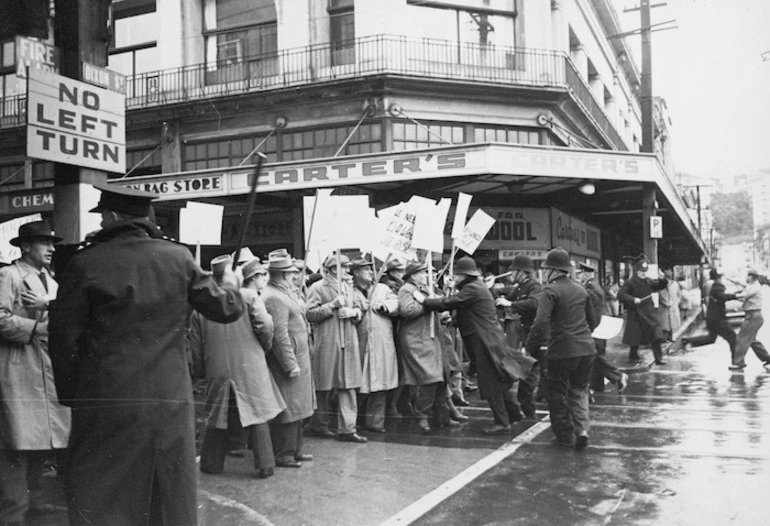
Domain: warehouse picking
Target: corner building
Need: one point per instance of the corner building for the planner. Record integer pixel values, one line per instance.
(525, 104)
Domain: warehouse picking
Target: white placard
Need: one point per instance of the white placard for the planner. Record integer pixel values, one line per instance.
(461, 212)
(201, 223)
(398, 229)
(8, 231)
(608, 328)
(476, 229)
(429, 225)
(75, 123)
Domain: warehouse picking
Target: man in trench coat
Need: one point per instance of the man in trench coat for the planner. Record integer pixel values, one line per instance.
(32, 422)
(498, 366)
(336, 356)
(118, 348)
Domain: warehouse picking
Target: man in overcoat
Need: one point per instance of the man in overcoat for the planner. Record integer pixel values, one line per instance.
(118, 348)
(336, 357)
(240, 390)
(376, 342)
(565, 319)
(32, 421)
(497, 365)
(642, 324)
(289, 359)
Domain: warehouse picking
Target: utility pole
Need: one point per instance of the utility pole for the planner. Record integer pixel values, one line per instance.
(649, 202)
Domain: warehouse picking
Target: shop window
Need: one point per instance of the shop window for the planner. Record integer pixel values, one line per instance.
(226, 153)
(241, 40)
(508, 134)
(144, 161)
(408, 135)
(326, 142)
(342, 31)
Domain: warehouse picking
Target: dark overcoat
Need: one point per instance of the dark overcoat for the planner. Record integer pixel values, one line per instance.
(290, 349)
(642, 326)
(118, 348)
(497, 365)
(422, 356)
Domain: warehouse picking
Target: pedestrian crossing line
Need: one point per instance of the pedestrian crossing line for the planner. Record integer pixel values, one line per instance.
(255, 518)
(429, 501)
(681, 408)
(615, 425)
(672, 450)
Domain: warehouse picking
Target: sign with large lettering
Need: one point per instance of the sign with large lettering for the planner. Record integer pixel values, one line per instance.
(27, 201)
(75, 123)
(575, 236)
(34, 54)
(519, 229)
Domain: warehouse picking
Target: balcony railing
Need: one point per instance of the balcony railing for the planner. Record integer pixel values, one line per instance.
(376, 55)
(13, 111)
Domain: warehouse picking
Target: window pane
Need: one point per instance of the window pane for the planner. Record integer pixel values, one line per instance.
(136, 30)
(147, 60)
(122, 63)
(8, 51)
(233, 13)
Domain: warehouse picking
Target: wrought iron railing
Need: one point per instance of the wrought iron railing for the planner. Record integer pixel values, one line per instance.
(13, 111)
(375, 55)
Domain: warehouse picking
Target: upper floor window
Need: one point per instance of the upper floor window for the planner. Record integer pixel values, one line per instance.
(134, 39)
(241, 39)
(342, 31)
(408, 135)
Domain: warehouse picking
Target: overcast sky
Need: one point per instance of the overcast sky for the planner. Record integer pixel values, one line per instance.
(711, 72)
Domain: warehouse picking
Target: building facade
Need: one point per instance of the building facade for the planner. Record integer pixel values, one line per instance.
(210, 82)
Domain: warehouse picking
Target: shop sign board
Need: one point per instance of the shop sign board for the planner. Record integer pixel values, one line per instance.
(72, 122)
(575, 236)
(34, 54)
(276, 228)
(534, 255)
(27, 202)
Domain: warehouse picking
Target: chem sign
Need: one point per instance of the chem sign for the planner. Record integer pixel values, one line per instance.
(75, 123)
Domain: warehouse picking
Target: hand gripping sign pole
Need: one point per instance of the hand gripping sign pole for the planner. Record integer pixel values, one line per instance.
(252, 199)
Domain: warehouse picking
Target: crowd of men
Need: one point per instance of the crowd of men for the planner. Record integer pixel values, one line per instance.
(100, 370)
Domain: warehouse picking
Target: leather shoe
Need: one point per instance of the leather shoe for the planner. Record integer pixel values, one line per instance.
(288, 463)
(352, 437)
(265, 473)
(459, 418)
(660, 362)
(303, 457)
(424, 425)
(42, 509)
(319, 433)
(459, 401)
(497, 430)
(581, 442)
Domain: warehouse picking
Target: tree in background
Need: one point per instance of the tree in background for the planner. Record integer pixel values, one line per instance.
(732, 213)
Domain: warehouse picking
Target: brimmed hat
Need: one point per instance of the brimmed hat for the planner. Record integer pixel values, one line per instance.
(413, 267)
(642, 263)
(220, 263)
(753, 272)
(331, 261)
(280, 260)
(253, 268)
(466, 266)
(245, 256)
(558, 259)
(34, 230)
(124, 200)
(585, 267)
(395, 264)
(714, 274)
(521, 262)
(360, 263)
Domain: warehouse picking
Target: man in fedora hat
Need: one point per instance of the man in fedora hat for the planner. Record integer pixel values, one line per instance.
(565, 319)
(119, 354)
(32, 421)
(336, 357)
(289, 359)
(642, 324)
(376, 342)
(498, 367)
(241, 394)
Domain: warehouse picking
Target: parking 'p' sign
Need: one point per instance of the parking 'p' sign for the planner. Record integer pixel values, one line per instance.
(656, 227)
(75, 123)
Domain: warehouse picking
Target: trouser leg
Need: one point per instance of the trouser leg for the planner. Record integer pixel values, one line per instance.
(577, 395)
(320, 419)
(423, 404)
(213, 450)
(723, 329)
(286, 439)
(528, 391)
(756, 345)
(261, 446)
(558, 384)
(746, 335)
(375, 409)
(499, 411)
(348, 411)
(657, 351)
(362, 399)
(14, 499)
(633, 353)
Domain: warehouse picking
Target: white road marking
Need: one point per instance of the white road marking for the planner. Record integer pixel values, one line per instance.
(249, 513)
(429, 501)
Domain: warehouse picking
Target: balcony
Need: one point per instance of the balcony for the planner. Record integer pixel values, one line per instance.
(368, 56)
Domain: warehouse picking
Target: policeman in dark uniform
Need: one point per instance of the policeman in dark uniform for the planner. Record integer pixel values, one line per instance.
(118, 347)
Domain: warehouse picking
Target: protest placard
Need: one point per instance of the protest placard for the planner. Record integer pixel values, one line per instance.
(475, 231)
(430, 220)
(461, 213)
(201, 223)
